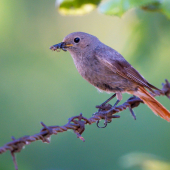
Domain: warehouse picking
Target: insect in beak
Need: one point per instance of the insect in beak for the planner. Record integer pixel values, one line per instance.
(61, 45)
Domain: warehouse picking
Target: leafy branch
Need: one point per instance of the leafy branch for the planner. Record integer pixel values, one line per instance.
(77, 123)
(111, 7)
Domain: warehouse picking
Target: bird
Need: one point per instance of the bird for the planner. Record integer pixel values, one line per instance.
(108, 71)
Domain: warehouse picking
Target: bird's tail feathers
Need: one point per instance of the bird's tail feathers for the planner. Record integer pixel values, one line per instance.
(152, 103)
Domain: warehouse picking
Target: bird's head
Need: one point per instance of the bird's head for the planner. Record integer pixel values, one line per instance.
(77, 42)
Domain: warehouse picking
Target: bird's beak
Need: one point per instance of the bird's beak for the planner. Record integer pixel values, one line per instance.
(61, 45)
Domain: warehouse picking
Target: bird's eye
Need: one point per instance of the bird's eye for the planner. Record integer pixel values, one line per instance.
(76, 40)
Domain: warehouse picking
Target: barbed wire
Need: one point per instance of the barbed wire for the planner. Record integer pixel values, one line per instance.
(77, 123)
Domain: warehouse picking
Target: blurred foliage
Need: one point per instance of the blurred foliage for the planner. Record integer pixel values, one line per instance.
(76, 7)
(144, 161)
(112, 7)
(119, 7)
(39, 85)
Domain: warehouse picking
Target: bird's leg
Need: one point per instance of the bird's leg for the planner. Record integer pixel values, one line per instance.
(108, 100)
(116, 103)
(109, 107)
(104, 103)
(119, 98)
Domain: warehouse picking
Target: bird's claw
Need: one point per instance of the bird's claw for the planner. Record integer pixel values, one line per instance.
(104, 107)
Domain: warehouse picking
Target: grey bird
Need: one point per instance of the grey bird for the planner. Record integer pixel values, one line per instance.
(108, 71)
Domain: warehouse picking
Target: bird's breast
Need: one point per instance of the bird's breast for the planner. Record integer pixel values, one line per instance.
(100, 76)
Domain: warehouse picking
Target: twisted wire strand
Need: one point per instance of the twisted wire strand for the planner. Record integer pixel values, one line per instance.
(77, 123)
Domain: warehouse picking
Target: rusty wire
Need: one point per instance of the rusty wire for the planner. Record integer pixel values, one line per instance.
(77, 123)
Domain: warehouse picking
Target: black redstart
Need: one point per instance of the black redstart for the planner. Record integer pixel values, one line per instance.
(108, 71)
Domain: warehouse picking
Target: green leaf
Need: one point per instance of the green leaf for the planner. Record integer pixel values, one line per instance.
(155, 6)
(119, 7)
(165, 8)
(162, 6)
(76, 7)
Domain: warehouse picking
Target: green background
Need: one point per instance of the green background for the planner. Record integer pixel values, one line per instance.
(37, 85)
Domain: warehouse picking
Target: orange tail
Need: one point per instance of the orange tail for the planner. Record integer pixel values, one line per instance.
(152, 103)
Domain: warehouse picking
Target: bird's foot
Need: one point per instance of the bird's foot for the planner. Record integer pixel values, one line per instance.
(104, 105)
(106, 112)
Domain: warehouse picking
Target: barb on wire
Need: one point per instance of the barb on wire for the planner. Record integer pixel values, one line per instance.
(77, 123)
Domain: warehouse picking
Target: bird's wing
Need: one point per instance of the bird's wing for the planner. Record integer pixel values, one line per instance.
(115, 62)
